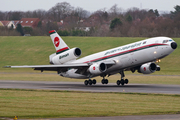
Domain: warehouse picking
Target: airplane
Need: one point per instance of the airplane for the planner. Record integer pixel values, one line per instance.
(141, 56)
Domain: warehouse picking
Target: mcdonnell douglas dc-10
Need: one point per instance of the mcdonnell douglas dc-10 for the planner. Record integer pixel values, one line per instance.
(140, 56)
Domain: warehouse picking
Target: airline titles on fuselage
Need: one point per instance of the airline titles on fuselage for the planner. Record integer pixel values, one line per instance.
(125, 48)
(62, 56)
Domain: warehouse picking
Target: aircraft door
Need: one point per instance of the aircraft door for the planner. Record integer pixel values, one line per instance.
(156, 51)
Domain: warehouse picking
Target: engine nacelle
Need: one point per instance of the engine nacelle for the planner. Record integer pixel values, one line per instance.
(66, 56)
(97, 68)
(148, 68)
(158, 68)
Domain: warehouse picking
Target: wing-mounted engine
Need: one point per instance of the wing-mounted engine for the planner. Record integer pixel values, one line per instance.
(66, 56)
(97, 68)
(148, 68)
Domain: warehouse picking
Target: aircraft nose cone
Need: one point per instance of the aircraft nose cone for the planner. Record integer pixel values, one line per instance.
(174, 45)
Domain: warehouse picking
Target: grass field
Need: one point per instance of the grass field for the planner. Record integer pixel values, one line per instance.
(50, 104)
(133, 78)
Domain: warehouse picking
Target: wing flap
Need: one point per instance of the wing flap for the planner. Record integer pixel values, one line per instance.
(63, 67)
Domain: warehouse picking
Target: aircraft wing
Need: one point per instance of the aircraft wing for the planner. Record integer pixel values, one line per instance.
(63, 67)
(59, 68)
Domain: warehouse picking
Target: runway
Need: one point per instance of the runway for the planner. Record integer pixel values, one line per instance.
(79, 86)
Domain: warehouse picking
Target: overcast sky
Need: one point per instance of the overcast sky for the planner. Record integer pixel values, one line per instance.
(90, 5)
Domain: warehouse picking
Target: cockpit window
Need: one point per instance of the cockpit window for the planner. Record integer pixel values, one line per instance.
(165, 41)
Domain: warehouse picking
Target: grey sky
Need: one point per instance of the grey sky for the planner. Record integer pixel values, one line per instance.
(90, 5)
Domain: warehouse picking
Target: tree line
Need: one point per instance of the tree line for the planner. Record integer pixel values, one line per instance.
(133, 22)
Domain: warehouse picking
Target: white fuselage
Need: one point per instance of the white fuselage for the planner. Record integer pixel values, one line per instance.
(127, 56)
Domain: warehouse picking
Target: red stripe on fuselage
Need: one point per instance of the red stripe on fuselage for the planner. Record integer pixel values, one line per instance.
(131, 50)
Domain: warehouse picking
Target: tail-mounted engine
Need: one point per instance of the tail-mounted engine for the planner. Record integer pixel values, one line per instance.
(148, 68)
(66, 56)
(97, 68)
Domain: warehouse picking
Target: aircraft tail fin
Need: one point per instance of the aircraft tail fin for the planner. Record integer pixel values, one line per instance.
(58, 42)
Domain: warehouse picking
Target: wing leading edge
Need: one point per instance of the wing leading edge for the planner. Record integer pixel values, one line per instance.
(62, 68)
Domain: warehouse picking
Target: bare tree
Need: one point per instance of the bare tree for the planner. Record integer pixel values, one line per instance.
(114, 11)
(61, 10)
(2, 15)
(136, 13)
(81, 13)
(41, 14)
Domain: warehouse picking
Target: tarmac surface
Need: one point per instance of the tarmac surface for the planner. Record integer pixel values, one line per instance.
(133, 117)
(79, 86)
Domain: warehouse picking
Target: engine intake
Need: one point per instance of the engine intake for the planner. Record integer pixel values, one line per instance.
(77, 52)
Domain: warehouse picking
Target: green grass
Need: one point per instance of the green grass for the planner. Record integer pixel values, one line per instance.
(51, 104)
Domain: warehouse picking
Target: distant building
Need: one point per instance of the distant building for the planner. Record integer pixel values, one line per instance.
(29, 22)
(1, 24)
(16, 22)
(7, 24)
(25, 22)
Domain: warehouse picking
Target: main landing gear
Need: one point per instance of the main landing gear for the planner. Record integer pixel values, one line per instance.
(122, 81)
(90, 82)
(105, 81)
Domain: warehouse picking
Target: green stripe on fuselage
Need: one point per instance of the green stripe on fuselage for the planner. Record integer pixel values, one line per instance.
(124, 53)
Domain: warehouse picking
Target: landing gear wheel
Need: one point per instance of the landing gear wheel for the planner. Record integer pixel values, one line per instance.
(90, 82)
(122, 82)
(126, 81)
(86, 82)
(103, 81)
(118, 82)
(106, 81)
(94, 81)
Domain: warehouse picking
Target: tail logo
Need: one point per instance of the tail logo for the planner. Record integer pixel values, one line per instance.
(56, 41)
